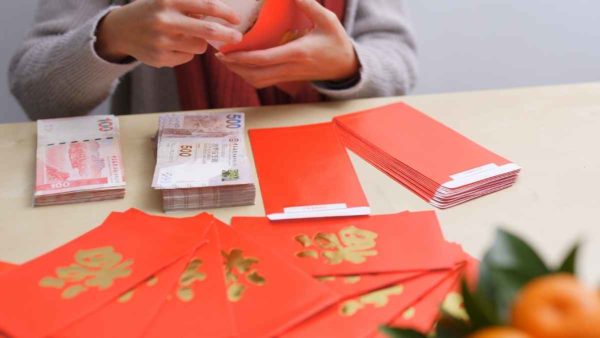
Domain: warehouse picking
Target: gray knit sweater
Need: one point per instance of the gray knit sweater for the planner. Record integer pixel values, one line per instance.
(58, 73)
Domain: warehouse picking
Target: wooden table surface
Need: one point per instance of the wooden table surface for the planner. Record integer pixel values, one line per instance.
(552, 132)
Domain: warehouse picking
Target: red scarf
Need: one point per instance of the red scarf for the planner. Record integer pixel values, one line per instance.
(205, 83)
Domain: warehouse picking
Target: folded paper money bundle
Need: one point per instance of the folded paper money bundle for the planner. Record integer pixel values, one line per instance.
(78, 160)
(202, 162)
(339, 277)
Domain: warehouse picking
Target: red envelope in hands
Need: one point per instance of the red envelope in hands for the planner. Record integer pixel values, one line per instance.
(279, 22)
(131, 313)
(305, 172)
(355, 245)
(4, 267)
(56, 289)
(198, 305)
(268, 295)
(361, 316)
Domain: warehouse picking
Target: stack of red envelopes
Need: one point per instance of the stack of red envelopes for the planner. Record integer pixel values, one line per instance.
(138, 275)
(437, 163)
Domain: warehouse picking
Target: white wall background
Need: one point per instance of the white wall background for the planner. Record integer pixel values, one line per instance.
(464, 44)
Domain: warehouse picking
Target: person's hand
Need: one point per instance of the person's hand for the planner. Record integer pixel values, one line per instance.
(163, 33)
(324, 54)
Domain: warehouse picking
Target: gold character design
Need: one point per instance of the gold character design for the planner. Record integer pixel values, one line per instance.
(128, 295)
(453, 305)
(346, 279)
(351, 245)
(377, 299)
(191, 275)
(409, 313)
(94, 268)
(238, 268)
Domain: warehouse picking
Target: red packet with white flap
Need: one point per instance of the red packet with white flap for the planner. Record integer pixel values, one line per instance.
(59, 288)
(198, 305)
(355, 245)
(305, 172)
(268, 295)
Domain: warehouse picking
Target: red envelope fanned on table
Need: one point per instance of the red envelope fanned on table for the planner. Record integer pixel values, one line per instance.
(4, 267)
(198, 305)
(423, 314)
(305, 172)
(355, 245)
(59, 288)
(268, 295)
(347, 286)
(360, 316)
(439, 164)
(129, 315)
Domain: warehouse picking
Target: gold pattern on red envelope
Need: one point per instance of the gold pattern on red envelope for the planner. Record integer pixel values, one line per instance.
(352, 245)
(453, 305)
(238, 269)
(128, 295)
(345, 279)
(94, 268)
(376, 299)
(191, 275)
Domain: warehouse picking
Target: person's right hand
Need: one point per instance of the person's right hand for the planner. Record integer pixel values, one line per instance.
(163, 33)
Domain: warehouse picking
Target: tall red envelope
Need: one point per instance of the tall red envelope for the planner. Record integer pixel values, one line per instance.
(439, 164)
(279, 22)
(305, 172)
(268, 295)
(56, 289)
(4, 267)
(198, 305)
(355, 245)
(129, 315)
(361, 316)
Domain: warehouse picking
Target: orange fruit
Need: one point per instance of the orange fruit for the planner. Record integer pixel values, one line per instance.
(557, 306)
(499, 332)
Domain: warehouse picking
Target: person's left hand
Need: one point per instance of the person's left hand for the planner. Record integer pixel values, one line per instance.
(324, 54)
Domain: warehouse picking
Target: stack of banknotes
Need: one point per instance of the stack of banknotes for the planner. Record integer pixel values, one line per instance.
(201, 161)
(78, 160)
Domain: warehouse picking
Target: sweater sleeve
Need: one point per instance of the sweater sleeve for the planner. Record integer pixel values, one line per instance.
(386, 49)
(57, 72)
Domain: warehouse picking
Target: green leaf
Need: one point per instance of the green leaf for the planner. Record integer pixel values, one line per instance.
(511, 253)
(507, 285)
(395, 332)
(486, 284)
(505, 269)
(450, 327)
(481, 311)
(568, 265)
